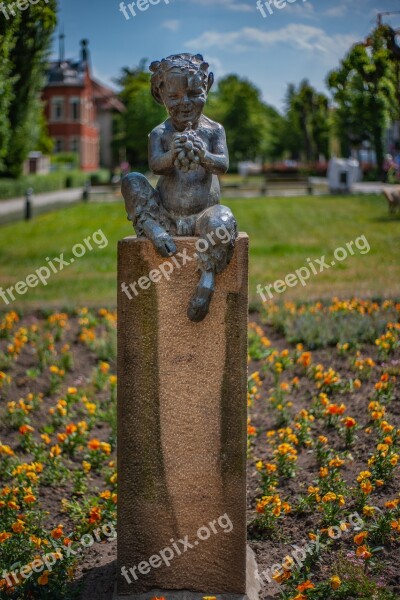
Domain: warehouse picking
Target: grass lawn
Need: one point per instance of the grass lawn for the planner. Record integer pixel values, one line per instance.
(284, 232)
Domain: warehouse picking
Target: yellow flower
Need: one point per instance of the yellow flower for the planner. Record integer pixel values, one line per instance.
(86, 466)
(336, 462)
(29, 498)
(363, 475)
(335, 582)
(329, 497)
(55, 451)
(369, 511)
(106, 448)
(91, 407)
(366, 486)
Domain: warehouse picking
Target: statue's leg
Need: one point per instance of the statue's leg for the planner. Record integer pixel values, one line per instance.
(142, 205)
(217, 227)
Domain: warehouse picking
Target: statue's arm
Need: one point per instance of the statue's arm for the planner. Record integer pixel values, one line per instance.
(216, 161)
(160, 162)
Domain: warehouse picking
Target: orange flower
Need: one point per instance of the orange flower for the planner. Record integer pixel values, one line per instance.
(323, 472)
(94, 444)
(57, 532)
(360, 537)
(18, 527)
(25, 429)
(95, 514)
(363, 552)
(307, 585)
(349, 422)
(4, 536)
(44, 578)
(335, 409)
(305, 359)
(71, 428)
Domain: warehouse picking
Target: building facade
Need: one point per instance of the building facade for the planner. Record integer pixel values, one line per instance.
(79, 110)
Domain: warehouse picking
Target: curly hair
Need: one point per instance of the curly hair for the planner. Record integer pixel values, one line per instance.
(193, 64)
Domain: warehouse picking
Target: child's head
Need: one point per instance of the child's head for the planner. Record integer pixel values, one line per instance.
(181, 82)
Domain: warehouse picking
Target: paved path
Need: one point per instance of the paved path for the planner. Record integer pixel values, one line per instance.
(13, 209)
(374, 187)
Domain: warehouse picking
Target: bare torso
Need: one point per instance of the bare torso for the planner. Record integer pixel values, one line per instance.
(187, 193)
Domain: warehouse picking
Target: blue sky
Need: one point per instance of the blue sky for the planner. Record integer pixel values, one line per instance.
(306, 38)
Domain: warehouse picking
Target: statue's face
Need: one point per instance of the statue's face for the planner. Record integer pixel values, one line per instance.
(184, 96)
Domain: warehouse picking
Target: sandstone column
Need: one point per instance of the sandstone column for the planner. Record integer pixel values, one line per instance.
(182, 409)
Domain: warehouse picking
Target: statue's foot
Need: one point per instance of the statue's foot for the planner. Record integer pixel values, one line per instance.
(200, 303)
(164, 244)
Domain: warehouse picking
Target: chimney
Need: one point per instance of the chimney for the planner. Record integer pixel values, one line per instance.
(85, 51)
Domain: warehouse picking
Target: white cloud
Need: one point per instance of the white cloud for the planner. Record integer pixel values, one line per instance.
(228, 4)
(337, 11)
(216, 66)
(296, 35)
(171, 24)
(303, 10)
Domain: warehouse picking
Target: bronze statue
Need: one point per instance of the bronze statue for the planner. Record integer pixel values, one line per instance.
(188, 151)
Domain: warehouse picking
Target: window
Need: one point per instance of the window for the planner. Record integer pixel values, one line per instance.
(58, 145)
(57, 108)
(75, 109)
(74, 144)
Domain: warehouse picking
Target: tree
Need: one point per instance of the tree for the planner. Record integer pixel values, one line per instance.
(141, 116)
(238, 106)
(7, 43)
(365, 94)
(29, 48)
(305, 132)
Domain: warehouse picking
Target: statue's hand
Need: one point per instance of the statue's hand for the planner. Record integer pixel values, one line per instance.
(199, 147)
(177, 145)
(164, 244)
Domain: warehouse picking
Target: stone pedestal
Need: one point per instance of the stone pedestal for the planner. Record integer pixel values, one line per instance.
(182, 419)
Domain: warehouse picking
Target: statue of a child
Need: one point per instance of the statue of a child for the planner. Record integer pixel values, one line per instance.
(188, 151)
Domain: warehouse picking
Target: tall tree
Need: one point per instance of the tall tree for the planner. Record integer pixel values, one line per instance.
(141, 116)
(28, 55)
(365, 94)
(237, 104)
(7, 43)
(306, 131)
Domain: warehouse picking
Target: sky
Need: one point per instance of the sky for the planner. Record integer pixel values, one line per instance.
(301, 39)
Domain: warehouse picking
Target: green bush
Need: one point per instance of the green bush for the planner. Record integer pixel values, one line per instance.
(14, 188)
(324, 328)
